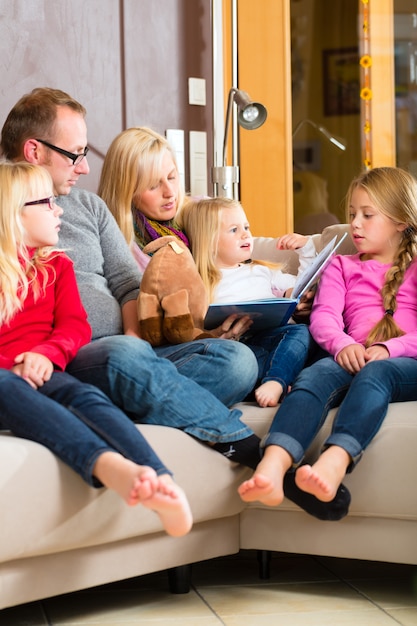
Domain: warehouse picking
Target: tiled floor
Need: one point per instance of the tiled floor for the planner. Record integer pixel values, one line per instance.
(301, 591)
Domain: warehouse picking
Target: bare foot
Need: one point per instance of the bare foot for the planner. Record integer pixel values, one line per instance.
(324, 477)
(131, 481)
(262, 489)
(139, 484)
(170, 503)
(266, 485)
(269, 393)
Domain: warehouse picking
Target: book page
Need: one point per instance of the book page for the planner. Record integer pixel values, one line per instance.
(313, 271)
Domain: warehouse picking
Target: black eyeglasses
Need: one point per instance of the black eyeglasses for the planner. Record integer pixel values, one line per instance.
(75, 158)
(49, 201)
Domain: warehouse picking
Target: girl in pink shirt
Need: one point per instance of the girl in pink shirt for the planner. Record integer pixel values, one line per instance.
(42, 326)
(365, 316)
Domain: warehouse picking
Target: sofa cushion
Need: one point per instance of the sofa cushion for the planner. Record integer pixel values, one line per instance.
(47, 508)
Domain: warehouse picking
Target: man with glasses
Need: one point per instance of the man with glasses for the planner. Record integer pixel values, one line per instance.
(189, 389)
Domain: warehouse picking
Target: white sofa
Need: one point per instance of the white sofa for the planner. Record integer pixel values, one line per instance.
(59, 535)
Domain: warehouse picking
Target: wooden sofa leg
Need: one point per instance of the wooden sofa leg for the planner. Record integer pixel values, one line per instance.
(264, 559)
(179, 579)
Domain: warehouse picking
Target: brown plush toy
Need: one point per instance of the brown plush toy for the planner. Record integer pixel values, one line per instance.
(172, 302)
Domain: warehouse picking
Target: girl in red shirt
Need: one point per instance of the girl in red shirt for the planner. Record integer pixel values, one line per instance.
(42, 326)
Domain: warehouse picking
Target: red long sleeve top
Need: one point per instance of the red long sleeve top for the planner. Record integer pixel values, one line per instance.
(55, 325)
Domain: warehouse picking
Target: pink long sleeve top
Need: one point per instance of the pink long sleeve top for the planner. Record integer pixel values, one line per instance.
(55, 325)
(348, 304)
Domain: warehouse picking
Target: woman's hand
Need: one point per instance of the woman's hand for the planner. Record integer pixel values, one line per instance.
(233, 327)
(35, 368)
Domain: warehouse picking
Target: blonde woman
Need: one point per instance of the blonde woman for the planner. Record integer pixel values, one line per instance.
(140, 184)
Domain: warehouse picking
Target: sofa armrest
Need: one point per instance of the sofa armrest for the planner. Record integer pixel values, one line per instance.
(264, 248)
(337, 230)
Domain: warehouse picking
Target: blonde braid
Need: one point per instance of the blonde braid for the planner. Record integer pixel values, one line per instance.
(387, 328)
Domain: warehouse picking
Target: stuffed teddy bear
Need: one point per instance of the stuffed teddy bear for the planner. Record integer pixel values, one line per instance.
(172, 302)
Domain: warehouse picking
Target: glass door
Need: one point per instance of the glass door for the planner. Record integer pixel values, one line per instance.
(326, 109)
(405, 55)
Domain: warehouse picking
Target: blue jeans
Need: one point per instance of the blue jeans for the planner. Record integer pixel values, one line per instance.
(77, 422)
(281, 352)
(227, 369)
(362, 399)
(154, 390)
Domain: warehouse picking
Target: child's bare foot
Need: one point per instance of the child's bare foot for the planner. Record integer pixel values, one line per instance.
(140, 484)
(269, 393)
(132, 482)
(266, 485)
(260, 488)
(170, 503)
(324, 477)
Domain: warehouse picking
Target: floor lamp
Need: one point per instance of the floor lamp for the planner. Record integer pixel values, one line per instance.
(251, 115)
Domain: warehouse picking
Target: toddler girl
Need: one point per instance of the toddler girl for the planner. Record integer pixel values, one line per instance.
(222, 246)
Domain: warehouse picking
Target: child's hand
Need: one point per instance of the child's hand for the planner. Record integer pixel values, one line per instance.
(378, 352)
(352, 358)
(35, 368)
(291, 241)
(302, 311)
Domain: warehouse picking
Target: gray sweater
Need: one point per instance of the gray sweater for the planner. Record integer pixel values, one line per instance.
(107, 274)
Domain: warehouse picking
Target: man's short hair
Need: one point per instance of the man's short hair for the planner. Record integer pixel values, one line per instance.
(34, 116)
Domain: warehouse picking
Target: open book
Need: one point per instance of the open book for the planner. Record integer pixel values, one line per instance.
(274, 312)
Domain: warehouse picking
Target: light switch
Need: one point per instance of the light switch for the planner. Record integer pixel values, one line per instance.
(197, 91)
(175, 137)
(198, 163)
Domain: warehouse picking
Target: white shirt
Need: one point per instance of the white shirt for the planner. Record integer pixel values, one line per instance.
(250, 281)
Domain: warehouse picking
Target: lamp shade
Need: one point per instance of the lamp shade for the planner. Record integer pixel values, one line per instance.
(251, 115)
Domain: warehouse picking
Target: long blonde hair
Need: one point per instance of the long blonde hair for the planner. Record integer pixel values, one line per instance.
(393, 191)
(201, 220)
(18, 268)
(132, 164)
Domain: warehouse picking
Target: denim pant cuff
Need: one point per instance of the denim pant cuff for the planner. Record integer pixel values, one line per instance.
(87, 471)
(162, 471)
(281, 381)
(349, 444)
(289, 444)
